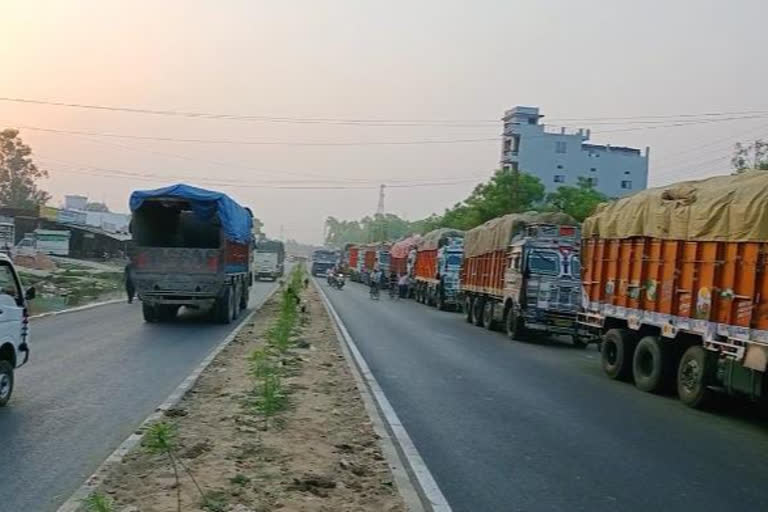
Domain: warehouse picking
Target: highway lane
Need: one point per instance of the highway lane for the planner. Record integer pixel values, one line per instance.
(508, 426)
(92, 378)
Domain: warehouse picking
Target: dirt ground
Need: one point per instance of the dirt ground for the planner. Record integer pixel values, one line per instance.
(319, 454)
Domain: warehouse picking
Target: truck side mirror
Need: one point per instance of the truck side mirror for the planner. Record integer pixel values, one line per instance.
(30, 293)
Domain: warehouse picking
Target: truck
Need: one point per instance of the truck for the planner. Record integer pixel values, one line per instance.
(351, 252)
(268, 259)
(322, 260)
(14, 326)
(375, 255)
(398, 253)
(192, 248)
(676, 287)
(521, 272)
(47, 241)
(437, 268)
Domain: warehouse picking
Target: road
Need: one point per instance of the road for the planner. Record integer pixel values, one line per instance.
(508, 426)
(92, 378)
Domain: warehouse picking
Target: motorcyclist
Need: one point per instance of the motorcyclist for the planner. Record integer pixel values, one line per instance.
(329, 275)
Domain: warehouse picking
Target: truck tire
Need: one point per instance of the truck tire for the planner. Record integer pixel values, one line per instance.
(488, 321)
(440, 299)
(694, 375)
(244, 298)
(616, 353)
(469, 306)
(6, 382)
(652, 365)
(477, 312)
(149, 312)
(514, 325)
(223, 307)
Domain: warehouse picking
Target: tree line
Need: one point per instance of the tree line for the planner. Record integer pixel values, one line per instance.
(507, 191)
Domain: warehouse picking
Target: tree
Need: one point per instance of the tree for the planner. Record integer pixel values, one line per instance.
(257, 226)
(506, 192)
(18, 173)
(750, 156)
(579, 202)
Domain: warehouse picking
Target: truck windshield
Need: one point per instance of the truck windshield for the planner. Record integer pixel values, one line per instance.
(543, 262)
(575, 266)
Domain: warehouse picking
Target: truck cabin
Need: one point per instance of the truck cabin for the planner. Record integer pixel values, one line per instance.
(547, 250)
(173, 223)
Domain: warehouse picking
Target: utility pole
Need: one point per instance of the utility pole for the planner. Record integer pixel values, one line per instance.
(380, 207)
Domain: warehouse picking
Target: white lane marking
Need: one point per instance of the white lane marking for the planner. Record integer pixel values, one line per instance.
(426, 482)
(74, 502)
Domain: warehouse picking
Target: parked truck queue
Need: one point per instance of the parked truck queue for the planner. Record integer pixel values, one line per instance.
(670, 283)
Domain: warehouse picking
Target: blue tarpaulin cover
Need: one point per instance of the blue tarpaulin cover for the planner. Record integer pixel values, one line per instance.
(235, 220)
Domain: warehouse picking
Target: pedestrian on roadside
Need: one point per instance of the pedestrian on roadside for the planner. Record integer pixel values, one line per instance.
(130, 288)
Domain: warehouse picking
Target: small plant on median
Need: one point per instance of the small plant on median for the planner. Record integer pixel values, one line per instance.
(97, 502)
(272, 399)
(162, 439)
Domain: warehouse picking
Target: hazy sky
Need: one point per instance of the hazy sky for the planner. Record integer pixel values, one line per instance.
(397, 60)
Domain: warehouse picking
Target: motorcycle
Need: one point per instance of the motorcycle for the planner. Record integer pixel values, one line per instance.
(337, 281)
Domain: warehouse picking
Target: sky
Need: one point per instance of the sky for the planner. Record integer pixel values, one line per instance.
(411, 71)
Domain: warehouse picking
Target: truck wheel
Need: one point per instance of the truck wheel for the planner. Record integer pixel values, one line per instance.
(616, 353)
(469, 306)
(223, 307)
(440, 299)
(488, 321)
(515, 326)
(694, 374)
(652, 365)
(6, 382)
(150, 315)
(477, 314)
(244, 298)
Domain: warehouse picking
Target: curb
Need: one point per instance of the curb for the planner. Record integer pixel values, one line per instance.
(415, 482)
(78, 308)
(74, 502)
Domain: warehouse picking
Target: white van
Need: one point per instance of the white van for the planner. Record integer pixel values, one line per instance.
(14, 326)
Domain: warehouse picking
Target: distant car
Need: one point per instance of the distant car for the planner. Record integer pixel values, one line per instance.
(14, 326)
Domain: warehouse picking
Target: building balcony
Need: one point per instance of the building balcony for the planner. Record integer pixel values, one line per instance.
(508, 156)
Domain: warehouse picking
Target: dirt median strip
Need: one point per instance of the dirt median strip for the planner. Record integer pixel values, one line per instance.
(310, 447)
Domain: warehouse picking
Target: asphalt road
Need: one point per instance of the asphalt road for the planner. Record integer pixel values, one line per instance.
(508, 426)
(92, 378)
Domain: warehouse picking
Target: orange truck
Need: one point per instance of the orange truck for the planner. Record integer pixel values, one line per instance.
(676, 284)
(436, 268)
(521, 271)
(399, 252)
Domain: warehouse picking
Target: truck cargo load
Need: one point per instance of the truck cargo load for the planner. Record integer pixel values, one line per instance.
(192, 248)
(436, 268)
(521, 271)
(398, 253)
(675, 283)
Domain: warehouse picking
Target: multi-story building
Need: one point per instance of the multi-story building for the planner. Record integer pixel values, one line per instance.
(559, 157)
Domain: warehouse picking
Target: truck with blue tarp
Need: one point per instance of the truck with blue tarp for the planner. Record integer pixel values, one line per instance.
(193, 248)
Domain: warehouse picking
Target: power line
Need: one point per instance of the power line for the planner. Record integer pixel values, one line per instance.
(252, 142)
(241, 117)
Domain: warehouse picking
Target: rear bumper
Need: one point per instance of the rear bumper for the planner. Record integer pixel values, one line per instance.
(178, 299)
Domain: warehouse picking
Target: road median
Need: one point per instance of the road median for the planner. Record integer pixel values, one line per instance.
(275, 422)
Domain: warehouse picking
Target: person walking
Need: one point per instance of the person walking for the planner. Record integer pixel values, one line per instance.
(402, 284)
(130, 289)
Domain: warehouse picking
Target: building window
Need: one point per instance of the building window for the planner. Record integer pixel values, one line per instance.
(593, 169)
(560, 146)
(507, 168)
(592, 181)
(559, 166)
(559, 178)
(531, 120)
(626, 173)
(507, 145)
(627, 184)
